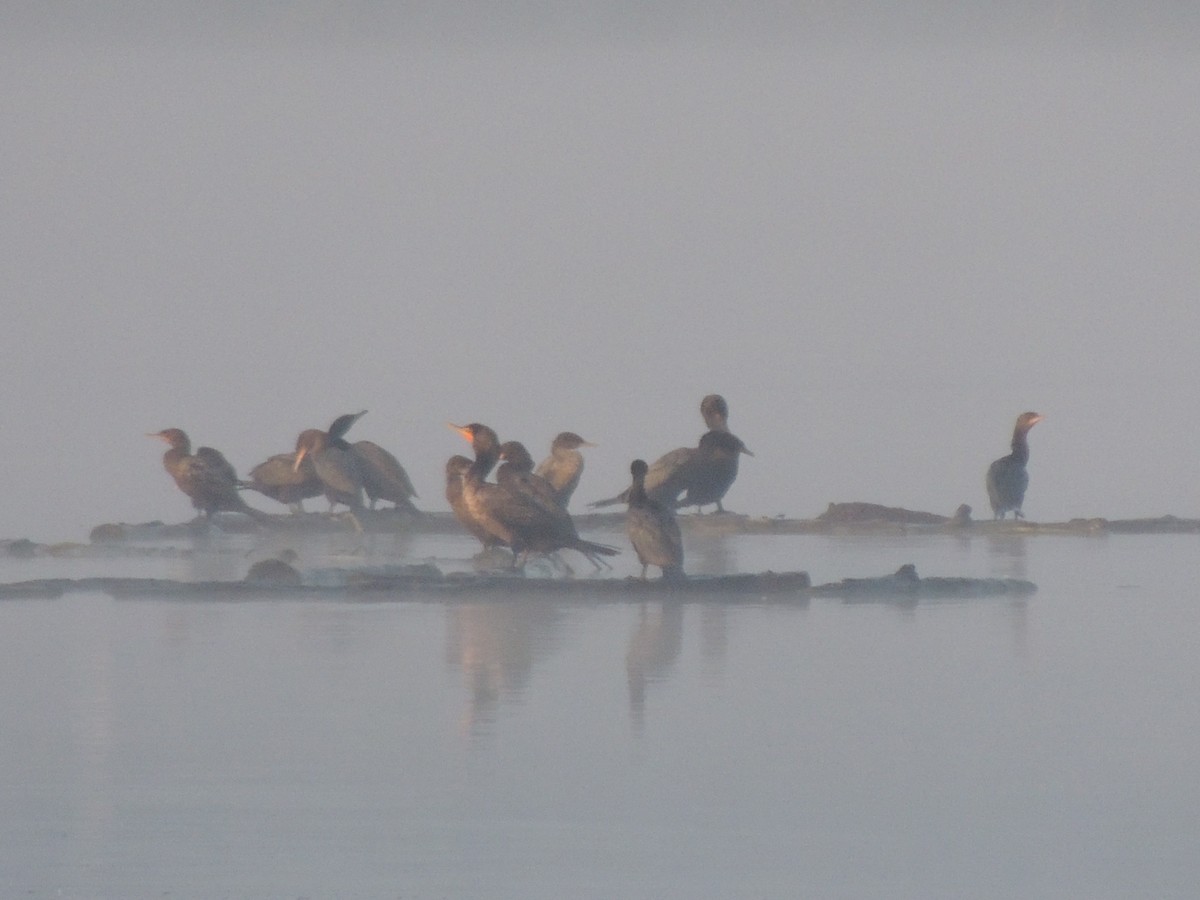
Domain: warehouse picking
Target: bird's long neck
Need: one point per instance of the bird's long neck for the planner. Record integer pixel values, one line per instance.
(1020, 445)
(485, 461)
(637, 491)
(173, 457)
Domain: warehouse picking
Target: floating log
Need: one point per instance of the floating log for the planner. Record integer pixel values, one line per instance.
(905, 584)
(427, 583)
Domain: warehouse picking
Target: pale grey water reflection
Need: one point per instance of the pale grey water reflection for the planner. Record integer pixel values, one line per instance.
(538, 746)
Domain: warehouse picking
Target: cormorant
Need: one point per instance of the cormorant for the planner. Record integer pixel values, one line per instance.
(1007, 477)
(456, 471)
(563, 467)
(516, 516)
(715, 411)
(705, 472)
(206, 476)
(383, 477)
(652, 528)
(337, 467)
(279, 479)
(711, 470)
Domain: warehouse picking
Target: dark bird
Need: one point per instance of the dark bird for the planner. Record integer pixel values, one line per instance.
(711, 470)
(1007, 477)
(564, 466)
(703, 473)
(652, 528)
(205, 476)
(517, 516)
(335, 464)
(516, 472)
(456, 471)
(279, 479)
(383, 477)
(715, 412)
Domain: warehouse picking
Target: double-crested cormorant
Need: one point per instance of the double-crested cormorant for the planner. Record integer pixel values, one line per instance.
(711, 470)
(715, 411)
(205, 476)
(516, 472)
(456, 471)
(704, 472)
(563, 467)
(279, 479)
(382, 476)
(514, 515)
(1007, 477)
(652, 528)
(336, 466)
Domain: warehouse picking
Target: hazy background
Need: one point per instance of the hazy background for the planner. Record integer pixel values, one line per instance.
(881, 233)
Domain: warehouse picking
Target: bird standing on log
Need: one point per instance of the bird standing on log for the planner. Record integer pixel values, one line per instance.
(205, 476)
(1007, 477)
(652, 528)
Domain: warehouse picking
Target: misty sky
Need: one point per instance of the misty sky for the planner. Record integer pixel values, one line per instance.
(880, 236)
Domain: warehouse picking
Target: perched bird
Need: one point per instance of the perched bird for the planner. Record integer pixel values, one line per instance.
(715, 412)
(516, 473)
(205, 476)
(335, 465)
(383, 477)
(702, 473)
(652, 528)
(564, 466)
(456, 471)
(518, 517)
(279, 479)
(1007, 477)
(711, 470)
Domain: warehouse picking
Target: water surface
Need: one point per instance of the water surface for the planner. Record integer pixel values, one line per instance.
(546, 747)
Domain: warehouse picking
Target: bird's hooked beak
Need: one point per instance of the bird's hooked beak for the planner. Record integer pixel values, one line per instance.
(746, 450)
(158, 434)
(463, 431)
(300, 454)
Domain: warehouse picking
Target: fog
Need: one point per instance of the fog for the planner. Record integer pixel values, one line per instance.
(881, 236)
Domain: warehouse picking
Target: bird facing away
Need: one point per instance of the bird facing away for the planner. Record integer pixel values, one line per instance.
(652, 528)
(515, 515)
(715, 412)
(564, 466)
(1007, 477)
(206, 476)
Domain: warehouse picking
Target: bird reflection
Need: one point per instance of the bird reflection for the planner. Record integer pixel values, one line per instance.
(496, 645)
(653, 649)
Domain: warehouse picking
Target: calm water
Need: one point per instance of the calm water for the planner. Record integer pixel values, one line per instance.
(538, 748)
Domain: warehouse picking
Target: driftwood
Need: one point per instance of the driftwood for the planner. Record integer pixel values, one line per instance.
(427, 583)
(839, 518)
(905, 584)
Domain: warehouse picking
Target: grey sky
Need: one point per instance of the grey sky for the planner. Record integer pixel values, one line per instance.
(881, 237)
